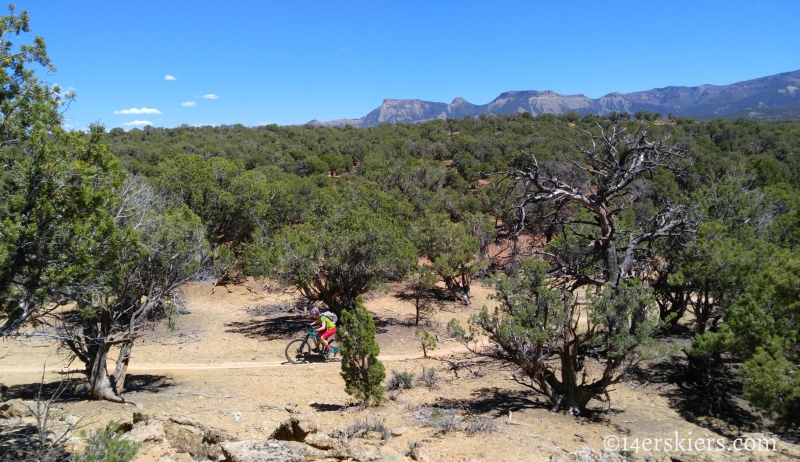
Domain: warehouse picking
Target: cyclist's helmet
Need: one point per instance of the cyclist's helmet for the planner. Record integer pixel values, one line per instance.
(314, 311)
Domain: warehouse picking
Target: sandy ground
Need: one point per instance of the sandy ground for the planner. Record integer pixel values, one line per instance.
(225, 367)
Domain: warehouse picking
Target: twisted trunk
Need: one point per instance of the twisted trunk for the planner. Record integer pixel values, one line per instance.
(459, 289)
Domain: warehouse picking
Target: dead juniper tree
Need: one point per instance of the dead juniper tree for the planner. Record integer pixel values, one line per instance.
(607, 220)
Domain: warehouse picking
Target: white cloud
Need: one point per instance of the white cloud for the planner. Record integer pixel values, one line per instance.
(139, 122)
(210, 96)
(189, 104)
(169, 77)
(133, 110)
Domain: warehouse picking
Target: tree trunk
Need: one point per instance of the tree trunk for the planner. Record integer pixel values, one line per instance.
(611, 270)
(575, 397)
(121, 371)
(459, 291)
(99, 383)
(569, 396)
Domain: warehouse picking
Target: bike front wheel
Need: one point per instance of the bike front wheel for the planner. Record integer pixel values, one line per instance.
(297, 351)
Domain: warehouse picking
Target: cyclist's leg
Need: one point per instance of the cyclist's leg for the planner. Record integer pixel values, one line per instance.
(325, 336)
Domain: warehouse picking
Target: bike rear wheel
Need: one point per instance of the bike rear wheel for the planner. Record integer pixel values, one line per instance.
(297, 351)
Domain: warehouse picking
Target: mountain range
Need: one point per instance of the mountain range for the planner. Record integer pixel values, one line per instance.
(775, 97)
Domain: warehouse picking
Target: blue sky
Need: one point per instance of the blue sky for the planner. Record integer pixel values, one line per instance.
(288, 62)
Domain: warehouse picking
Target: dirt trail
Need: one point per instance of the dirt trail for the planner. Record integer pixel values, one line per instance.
(140, 368)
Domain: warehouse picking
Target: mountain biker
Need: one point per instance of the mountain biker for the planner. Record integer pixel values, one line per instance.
(326, 329)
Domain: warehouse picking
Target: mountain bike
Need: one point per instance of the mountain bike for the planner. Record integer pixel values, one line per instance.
(299, 350)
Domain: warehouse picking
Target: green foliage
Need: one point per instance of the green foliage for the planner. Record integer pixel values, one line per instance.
(533, 321)
(456, 331)
(362, 372)
(451, 248)
(354, 240)
(426, 340)
(106, 445)
(624, 318)
(772, 384)
(421, 281)
(529, 312)
(56, 231)
(400, 381)
(763, 328)
(231, 201)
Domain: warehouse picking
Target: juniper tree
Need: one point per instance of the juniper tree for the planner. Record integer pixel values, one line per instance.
(541, 329)
(74, 232)
(355, 239)
(452, 252)
(55, 228)
(362, 371)
(165, 249)
(606, 219)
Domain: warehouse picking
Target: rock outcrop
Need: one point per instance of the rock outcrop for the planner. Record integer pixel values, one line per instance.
(177, 438)
(767, 98)
(177, 435)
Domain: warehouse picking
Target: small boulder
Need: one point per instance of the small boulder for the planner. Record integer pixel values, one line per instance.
(262, 451)
(693, 456)
(294, 430)
(185, 438)
(152, 432)
(186, 434)
(322, 441)
(139, 416)
(14, 408)
(586, 454)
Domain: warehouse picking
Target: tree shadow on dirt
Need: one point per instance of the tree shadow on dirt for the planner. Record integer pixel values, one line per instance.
(494, 401)
(277, 327)
(147, 383)
(323, 407)
(437, 295)
(77, 389)
(382, 324)
(72, 389)
(716, 405)
(21, 442)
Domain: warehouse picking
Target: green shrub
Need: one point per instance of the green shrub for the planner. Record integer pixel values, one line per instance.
(361, 370)
(400, 381)
(107, 446)
(426, 340)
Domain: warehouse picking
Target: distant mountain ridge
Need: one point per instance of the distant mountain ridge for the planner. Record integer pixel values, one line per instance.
(775, 97)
